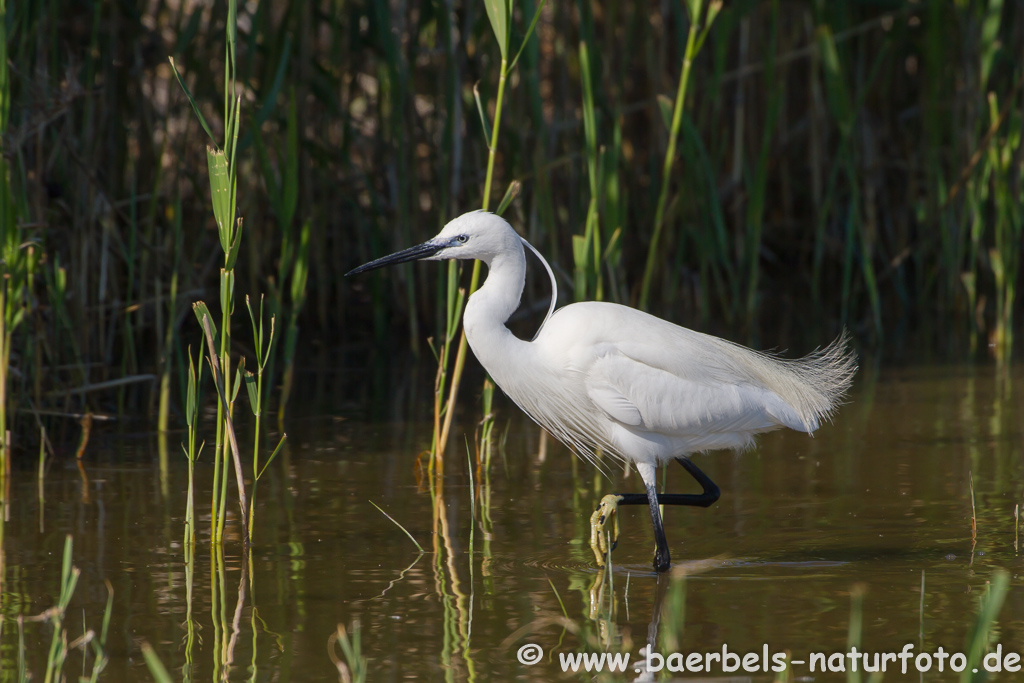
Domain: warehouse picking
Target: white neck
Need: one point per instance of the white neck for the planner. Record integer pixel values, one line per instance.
(490, 307)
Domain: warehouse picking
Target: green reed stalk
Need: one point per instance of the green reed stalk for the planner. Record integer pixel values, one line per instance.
(223, 189)
(195, 378)
(456, 299)
(99, 647)
(58, 644)
(961, 261)
(500, 14)
(254, 388)
(209, 330)
(455, 302)
(297, 292)
(19, 256)
(163, 414)
(222, 451)
(8, 230)
(190, 623)
(1007, 229)
(41, 471)
(218, 611)
(613, 209)
(586, 248)
(253, 618)
(694, 40)
(979, 637)
(5, 355)
(460, 354)
(485, 441)
(354, 667)
(156, 667)
(674, 616)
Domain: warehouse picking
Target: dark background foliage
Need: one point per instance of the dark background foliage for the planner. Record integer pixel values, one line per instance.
(844, 163)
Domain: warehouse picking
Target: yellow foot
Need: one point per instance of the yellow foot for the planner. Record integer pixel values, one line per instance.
(604, 515)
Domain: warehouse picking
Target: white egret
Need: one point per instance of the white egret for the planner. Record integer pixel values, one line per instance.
(609, 378)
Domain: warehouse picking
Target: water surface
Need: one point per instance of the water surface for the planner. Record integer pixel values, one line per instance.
(879, 501)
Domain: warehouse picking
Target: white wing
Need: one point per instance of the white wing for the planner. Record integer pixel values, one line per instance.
(645, 372)
(636, 394)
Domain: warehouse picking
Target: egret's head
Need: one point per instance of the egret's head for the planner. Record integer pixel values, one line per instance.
(474, 235)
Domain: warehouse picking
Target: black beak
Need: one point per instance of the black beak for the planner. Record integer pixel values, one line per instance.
(420, 251)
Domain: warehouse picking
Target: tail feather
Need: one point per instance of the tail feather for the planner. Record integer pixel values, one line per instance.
(813, 386)
(822, 379)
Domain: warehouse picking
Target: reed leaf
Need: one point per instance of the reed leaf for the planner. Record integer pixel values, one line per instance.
(510, 194)
(220, 194)
(190, 396)
(272, 456)
(250, 389)
(202, 313)
(528, 34)
(499, 13)
(191, 100)
(484, 125)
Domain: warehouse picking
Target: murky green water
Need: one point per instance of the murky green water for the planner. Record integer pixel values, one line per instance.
(880, 498)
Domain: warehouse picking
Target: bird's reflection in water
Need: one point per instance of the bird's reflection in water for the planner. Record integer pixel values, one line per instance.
(667, 610)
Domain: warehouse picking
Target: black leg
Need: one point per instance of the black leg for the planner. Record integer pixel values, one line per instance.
(706, 499)
(711, 493)
(662, 559)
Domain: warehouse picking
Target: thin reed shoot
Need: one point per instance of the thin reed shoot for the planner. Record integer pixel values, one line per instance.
(396, 523)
